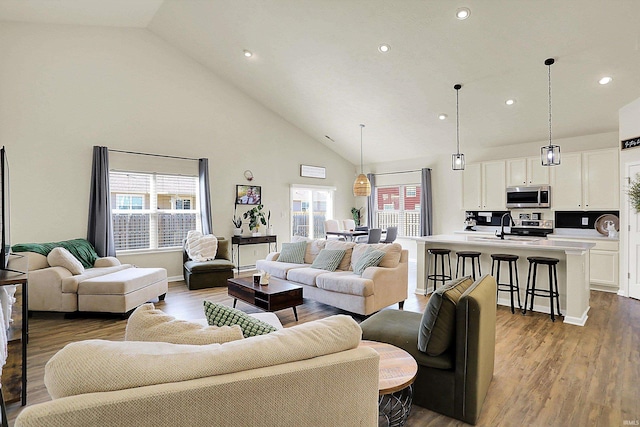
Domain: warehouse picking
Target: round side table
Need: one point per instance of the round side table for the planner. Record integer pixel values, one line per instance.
(398, 370)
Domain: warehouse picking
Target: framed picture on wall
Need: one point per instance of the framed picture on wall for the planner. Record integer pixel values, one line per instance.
(248, 194)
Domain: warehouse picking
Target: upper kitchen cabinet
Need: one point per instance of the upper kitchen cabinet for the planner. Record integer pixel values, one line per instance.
(484, 186)
(586, 181)
(526, 171)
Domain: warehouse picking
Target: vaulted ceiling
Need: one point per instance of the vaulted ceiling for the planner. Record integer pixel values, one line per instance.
(316, 63)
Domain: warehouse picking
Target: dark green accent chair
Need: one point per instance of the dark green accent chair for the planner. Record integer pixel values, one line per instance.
(454, 383)
(209, 274)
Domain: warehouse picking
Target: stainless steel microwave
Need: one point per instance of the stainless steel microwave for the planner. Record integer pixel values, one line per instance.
(529, 197)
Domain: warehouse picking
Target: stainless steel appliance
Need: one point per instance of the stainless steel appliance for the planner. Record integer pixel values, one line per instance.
(529, 197)
(532, 227)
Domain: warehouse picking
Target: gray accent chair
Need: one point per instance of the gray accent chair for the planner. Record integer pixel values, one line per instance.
(208, 274)
(455, 382)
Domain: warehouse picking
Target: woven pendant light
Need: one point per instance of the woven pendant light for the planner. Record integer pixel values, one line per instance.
(361, 186)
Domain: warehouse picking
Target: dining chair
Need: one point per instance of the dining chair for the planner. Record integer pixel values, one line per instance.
(374, 235)
(332, 225)
(392, 233)
(348, 224)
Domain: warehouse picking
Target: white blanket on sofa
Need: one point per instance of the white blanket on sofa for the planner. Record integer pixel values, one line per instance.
(201, 247)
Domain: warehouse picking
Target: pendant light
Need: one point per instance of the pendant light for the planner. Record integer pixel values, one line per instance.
(550, 154)
(457, 160)
(361, 186)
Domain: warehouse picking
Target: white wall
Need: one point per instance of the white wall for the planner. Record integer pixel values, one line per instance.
(629, 121)
(67, 88)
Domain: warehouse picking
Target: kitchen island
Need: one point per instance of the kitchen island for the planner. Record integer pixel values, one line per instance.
(573, 268)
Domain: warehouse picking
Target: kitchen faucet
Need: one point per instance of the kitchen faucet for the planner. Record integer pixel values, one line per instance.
(501, 235)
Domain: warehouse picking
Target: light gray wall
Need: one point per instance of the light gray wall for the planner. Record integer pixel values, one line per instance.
(67, 88)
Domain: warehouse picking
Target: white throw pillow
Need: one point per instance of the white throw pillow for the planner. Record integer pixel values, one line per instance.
(60, 257)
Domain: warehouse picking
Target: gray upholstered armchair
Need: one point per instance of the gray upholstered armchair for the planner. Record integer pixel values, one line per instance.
(454, 382)
(207, 274)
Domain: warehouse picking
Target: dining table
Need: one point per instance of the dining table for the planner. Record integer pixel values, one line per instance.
(347, 234)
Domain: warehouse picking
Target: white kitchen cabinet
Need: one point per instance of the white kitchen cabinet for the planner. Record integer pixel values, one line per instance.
(586, 181)
(603, 263)
(526, 171)
(472, 187)
(484, 186)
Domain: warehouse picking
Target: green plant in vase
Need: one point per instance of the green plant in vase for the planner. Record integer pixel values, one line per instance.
(356, 214)
(256, 218)
(237, 222)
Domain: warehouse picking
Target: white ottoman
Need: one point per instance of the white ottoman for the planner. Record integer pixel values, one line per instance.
(122, 291)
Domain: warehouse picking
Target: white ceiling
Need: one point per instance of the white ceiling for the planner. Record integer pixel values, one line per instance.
(317, 65)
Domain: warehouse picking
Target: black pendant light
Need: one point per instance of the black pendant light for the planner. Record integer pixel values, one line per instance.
(550, 154)
(457, 159)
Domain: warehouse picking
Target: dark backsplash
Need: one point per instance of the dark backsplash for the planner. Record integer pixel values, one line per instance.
(493, 220)
(573, 219)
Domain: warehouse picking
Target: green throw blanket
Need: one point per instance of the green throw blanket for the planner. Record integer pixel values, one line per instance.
(79, 248)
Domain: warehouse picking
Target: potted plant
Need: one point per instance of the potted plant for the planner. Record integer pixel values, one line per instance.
(256, 218)
(237, 222)
(355, 213)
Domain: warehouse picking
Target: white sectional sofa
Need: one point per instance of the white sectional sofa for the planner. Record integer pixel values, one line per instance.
(376, 288)
(109, 286)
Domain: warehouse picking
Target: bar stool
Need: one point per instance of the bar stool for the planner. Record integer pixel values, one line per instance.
(474, 256)
(435, 276)
(510, 287)
(552, 292)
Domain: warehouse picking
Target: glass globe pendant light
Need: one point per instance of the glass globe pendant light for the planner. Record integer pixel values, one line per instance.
(457, 159)
(550, 154)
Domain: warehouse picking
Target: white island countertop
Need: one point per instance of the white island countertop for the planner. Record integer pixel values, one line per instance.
(572, 268)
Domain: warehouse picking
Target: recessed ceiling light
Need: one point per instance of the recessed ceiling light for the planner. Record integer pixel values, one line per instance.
(510, 101)
(384, 48)
(605, 80)
(442, 116)
(463, 13)
(247, 53)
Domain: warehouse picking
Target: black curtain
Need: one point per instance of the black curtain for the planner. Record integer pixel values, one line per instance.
(100, 227)
(205, 197)
(426, 204)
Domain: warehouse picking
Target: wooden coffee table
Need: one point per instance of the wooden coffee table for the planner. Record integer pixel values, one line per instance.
(277, 295)
(398, 370)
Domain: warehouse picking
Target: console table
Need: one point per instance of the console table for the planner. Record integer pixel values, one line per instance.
(238, 241)
(14, 372)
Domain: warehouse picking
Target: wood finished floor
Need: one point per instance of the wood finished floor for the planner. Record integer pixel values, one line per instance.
(546, 374)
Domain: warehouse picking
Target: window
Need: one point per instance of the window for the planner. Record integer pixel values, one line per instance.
(399, 206)
(310, 207)
(152, 211)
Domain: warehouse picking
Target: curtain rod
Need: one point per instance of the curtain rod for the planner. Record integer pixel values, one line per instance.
(395, 173)
(152, 155)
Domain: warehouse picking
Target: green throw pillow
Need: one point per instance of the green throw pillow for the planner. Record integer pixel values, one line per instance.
(328, 259)
(371, 258)
(293, 252)
(221, 315)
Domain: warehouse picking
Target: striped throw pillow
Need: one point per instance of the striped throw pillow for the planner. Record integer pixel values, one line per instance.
(328, 259)
(370, 259)
(293, 252)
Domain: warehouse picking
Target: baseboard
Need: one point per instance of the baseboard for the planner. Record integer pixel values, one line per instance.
(175, 278)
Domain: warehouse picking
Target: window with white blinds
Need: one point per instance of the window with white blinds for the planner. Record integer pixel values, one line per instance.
(152, 210)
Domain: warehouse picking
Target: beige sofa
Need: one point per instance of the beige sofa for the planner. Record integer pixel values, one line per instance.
(312, 374)
(376, 288)
(109, 286)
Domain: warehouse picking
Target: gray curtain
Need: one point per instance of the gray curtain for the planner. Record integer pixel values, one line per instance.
(100, 228)
(205, 197)
(426, 204)
(371, 201)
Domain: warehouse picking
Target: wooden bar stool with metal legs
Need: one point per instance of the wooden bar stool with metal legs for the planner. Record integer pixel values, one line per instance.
(511, 287)
(474, 256)
(552, 292)
(435, 276)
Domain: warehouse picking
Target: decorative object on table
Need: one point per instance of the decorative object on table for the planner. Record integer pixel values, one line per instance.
(550, 154)
(264, 278)
(256, 279)
(457, 159)
(357, 215)
(608, 225)
(634, 193)
(237, 222)
(248, 175)
(313, 171)
(248, 195)
(361, 186)
(256, 218)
